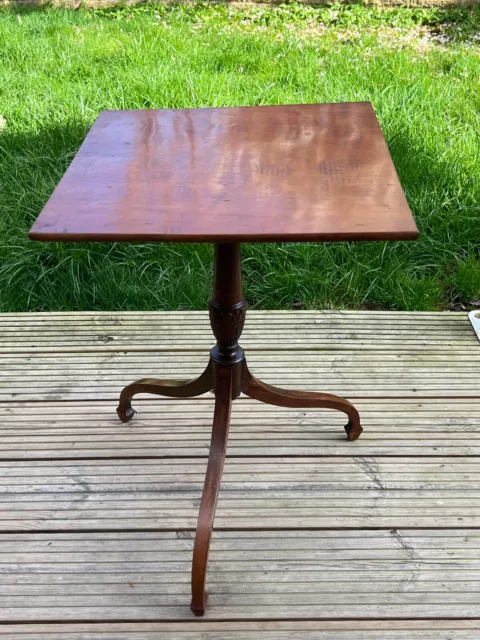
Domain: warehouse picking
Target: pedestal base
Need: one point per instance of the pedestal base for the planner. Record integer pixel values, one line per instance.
(227, 375)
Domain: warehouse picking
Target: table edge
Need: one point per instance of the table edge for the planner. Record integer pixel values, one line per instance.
(212, 238)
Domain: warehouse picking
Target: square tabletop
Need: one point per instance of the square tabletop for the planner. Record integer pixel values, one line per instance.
(317, 172)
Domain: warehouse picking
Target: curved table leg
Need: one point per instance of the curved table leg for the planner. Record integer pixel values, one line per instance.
(258, 390)
(170, 388)
(218, 447)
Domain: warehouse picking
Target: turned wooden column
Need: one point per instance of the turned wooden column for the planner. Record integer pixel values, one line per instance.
(227, 312)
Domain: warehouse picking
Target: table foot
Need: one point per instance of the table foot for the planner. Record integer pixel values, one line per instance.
(353, 430)
(211, 487)
(169, 388)
(125, 411)
(258, 390)
(199, 609)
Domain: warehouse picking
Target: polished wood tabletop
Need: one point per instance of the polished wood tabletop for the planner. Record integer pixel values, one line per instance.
(317, 172)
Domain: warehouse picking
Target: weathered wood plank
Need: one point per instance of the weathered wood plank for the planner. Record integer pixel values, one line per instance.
(159, 331)
(251, 630)
(255, 494)
(356, 375)
(252, 575)
(175, 428)
(117, 317)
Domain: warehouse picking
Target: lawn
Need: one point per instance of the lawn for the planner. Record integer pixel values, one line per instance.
(419, 68)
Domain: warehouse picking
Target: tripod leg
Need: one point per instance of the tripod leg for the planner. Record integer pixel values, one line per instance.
(218, 447)
(258, 390)
(170, 388)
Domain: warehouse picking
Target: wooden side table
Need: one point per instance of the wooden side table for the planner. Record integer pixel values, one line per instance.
(247, 174)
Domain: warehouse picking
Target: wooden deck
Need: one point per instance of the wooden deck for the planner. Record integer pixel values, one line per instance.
(316, 537)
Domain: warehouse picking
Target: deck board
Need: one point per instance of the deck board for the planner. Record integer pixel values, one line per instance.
(179, 428)
(251, 630)
(315, 536)
(355, 375)
(277, 331)
(261, 493)
(253, 575)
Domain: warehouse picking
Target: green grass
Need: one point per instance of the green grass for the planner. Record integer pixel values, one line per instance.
(419, 68)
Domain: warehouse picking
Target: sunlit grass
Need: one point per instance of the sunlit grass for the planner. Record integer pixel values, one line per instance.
(59, 68)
